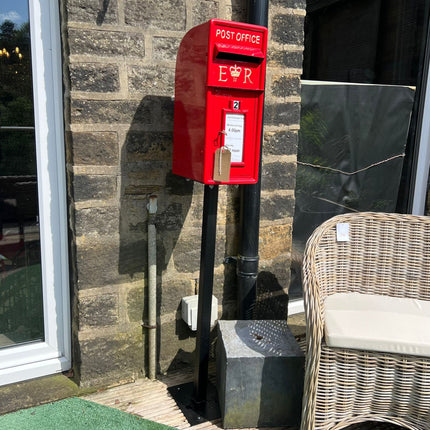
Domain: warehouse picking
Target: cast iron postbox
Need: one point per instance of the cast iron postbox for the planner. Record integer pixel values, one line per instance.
(219, 95)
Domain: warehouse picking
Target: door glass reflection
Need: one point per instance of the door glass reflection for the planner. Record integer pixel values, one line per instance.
(21, 306)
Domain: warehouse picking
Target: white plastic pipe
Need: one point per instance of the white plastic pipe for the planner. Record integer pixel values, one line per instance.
(152, 287)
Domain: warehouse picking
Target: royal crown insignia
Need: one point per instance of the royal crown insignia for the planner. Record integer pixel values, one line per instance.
(235, 71)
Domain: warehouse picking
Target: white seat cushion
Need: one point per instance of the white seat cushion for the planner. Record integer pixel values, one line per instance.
(378, 323)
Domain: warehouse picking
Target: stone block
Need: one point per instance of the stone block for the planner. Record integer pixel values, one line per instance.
(99, 221)
(106, 43)
(288, 29)
(260, 371)
(94, 187)
(274, 207)
(290, 59)
(148, 146)
(111, 112)
(204, 11)
(275, 240)
(112, 358)
(98, 148)
(110, 261)
(159, 14)
(232, 236)
(95, 12)
(171, 219)
(94, 78)
(98, 311)
(133, 257)
(165, 48)
(286, 85)
(97, 265)
(173, 291)
(186, 254)
(282, 114)
(281, 143)
(239, 11)
(143, 173)
(278, 176)
(151, 80)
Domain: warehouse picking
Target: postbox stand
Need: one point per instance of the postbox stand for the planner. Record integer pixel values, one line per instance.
(198, 400)
(219, 97)
(207, 258)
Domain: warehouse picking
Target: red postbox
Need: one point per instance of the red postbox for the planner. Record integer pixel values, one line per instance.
(219, 93)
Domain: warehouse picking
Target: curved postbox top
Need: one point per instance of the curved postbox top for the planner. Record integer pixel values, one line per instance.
(225, 54)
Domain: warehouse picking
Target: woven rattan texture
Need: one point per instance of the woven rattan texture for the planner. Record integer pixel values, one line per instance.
(386, 254)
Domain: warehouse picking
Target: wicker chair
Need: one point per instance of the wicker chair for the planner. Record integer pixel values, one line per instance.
(386, 254)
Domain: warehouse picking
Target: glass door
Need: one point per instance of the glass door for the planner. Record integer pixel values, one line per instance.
(34, 297)
(21, 305)
(364, 84)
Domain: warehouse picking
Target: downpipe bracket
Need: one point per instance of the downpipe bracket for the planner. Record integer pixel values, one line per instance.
(247, 266)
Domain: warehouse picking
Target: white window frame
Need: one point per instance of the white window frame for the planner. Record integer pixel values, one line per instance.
(37, 359)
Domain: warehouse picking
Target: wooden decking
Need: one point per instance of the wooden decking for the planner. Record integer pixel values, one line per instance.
(151, 400)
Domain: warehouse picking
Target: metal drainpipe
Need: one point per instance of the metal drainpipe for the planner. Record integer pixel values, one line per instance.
(247, 260)
(152, 287)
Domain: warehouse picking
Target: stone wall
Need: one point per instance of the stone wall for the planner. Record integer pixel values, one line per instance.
(119, 62)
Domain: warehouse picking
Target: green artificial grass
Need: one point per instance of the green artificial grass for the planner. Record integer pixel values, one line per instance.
(75, 414)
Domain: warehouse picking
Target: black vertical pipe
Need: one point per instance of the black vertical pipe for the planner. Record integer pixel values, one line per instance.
(258, 12)
(207, 258)
(247, 261)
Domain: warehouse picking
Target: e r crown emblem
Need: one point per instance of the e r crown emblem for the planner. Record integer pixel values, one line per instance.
(235, 73)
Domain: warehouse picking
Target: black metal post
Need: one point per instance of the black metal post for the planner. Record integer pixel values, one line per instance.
(247, 261)
(207, 258)
(258, 12)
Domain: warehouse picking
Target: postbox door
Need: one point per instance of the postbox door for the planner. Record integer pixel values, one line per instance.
(232, 121)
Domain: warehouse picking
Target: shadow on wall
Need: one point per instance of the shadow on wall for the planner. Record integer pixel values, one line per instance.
(146, 162)
(272, 301)
(102, 12)
(146, 170)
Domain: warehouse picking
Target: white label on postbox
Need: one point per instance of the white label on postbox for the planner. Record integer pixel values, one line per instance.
(234, 137)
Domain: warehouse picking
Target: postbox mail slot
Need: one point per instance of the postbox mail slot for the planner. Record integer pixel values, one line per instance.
(238, 53)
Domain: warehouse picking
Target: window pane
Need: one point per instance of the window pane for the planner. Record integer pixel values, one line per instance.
(21, 307)
(363, 61)
(364, 41)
